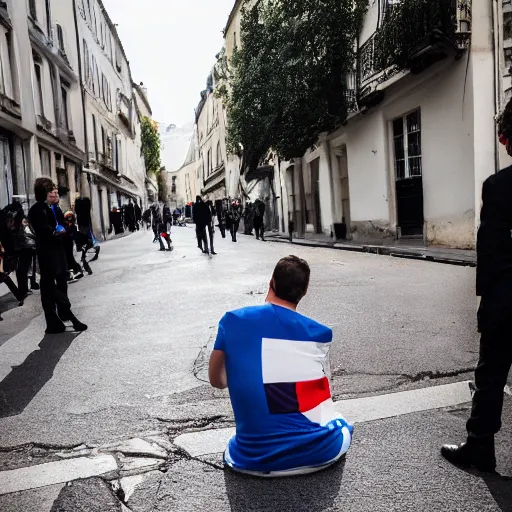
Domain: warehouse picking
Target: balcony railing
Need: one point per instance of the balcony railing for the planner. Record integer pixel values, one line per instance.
(414, 34)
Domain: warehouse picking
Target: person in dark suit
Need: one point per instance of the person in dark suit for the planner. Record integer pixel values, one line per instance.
(494, 286)
(202, 216)
(52, 259)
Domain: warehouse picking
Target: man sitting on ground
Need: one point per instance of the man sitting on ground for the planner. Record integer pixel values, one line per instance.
(275, 363)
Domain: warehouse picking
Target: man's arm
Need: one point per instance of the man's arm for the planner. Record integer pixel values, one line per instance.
(217, 370)
(490, 237)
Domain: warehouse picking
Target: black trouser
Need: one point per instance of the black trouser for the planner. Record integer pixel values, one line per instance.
(234, 230)
(211, 231)
(4, 278)
(25, 258)
(54, 298)
(202, 240)
(70, 257)
(490, 379)
(260, 230)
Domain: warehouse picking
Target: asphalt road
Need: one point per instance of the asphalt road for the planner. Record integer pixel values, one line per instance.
(398, 324)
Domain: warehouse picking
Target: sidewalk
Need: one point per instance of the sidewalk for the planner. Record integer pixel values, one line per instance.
(399, 249)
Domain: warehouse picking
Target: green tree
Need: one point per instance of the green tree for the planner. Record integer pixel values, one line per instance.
(286, 81)
(163, 191)
(150, 145)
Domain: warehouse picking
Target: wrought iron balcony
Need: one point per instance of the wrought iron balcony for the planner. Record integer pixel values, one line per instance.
(414, 34)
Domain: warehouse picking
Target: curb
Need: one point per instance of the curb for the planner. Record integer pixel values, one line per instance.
(384, 251)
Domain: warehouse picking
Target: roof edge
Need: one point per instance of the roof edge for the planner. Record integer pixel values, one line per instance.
(138, 88)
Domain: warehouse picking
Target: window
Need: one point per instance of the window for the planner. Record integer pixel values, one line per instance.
(95, 136)
(48, 18)
(87, 63)
(407, 144)
(219, 155)
(32, 9)
(119, 166)
(60, 38)
(38, 93)
(6, 82)
(64, 88)
(44, 158)
(104, 143)
(118, 59)
(173, 185)
(102, 35)
(234, 41)
(94, 67)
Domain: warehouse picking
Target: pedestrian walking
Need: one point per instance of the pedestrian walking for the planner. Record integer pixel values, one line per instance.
(20, 245)
(259, 219)
(85, 239)
(221, 217)
(202, 217)
(130, 219)
(234, 219)
(75, 269)
(52, 259)
(494, 286)
(138, 216)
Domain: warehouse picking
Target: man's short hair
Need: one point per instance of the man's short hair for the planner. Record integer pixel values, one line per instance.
(291, 279)
(42, 187)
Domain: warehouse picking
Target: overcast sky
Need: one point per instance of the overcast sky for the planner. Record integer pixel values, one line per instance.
(171, 46)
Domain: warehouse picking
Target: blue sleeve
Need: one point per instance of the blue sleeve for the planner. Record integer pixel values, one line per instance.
(220, 342)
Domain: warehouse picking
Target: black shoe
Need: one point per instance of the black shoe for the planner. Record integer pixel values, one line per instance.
(162, 249)
(214, 253)
(34, 286)
(476, 452)
(97, 255)
(79, 326)
(56, 329)
(79, 275)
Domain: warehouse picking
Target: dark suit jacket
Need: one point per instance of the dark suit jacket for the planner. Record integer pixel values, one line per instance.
(494, 252)
(50, 248)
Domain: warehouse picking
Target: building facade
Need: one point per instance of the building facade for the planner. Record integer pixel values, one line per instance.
(410, 160)
(68, 107)
(113, 174)
(211, 144)
(143, 109)
(41, 118)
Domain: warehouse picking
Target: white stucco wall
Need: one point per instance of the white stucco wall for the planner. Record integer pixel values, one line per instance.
(447, 152)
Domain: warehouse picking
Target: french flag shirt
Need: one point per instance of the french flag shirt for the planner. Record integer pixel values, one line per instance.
(277, 367)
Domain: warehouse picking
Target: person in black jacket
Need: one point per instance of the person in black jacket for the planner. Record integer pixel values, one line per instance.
(52, 259)
(494, 286)
(20, 245)
(202, 216)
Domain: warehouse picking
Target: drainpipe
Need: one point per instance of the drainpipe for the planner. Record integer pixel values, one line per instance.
(82, 90)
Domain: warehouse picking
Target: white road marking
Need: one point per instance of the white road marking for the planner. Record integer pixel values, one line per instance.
(357, 410)
(51, 473)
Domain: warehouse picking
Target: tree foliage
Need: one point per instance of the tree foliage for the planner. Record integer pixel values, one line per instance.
(286, 81)
(150, 145)
(163, 189)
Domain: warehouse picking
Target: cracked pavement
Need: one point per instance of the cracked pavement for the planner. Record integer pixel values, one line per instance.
(139, 372)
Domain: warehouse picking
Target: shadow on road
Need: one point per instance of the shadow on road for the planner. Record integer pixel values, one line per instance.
(314, 493)
(501, 489)
(7, 302)
(25, 381)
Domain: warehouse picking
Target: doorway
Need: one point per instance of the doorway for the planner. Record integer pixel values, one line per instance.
(408, 175)
(345, 189)
(314, 214)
